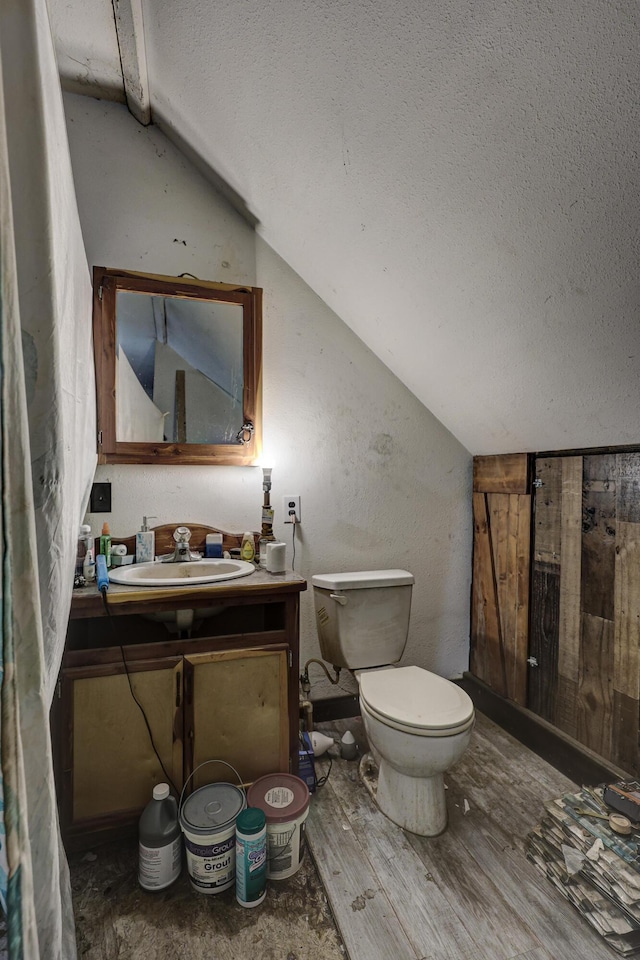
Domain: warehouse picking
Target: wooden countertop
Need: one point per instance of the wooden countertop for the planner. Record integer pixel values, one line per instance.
(87, 601)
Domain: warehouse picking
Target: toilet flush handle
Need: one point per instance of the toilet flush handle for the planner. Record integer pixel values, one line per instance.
(339, 597)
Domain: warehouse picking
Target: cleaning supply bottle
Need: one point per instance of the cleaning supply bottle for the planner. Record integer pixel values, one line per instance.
(105, 543)
(89, 562)
(81, 549)
(248, 548)
(251, 857)
(159, 841)
(145, 543)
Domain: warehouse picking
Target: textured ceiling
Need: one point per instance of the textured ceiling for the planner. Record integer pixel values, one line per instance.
(457, 179)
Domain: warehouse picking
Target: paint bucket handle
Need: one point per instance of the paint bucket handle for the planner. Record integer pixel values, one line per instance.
(203, 764)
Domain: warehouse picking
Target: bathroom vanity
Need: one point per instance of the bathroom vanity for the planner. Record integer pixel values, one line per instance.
(226, 689)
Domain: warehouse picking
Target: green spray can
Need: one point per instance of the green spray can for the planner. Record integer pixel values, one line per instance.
(251, 857)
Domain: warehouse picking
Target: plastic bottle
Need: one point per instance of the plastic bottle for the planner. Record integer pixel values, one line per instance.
(89, 563)
(248, 548)
(262, 551)
(84, 536)
(105, 543)
(160, 841)
(251, 857)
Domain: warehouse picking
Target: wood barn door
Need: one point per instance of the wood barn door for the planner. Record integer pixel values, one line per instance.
(585, 601)
(501, 551)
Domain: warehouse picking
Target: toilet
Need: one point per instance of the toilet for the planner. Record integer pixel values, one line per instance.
(418, 724)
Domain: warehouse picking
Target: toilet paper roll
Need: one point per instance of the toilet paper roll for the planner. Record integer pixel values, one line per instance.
(119, 550)
(276, 560)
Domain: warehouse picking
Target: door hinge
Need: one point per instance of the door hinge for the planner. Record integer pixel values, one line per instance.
(290, 658)
(99, 438)
(100, 292)
(59, 690)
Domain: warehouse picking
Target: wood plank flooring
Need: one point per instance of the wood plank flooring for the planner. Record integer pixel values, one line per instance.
(469, 894)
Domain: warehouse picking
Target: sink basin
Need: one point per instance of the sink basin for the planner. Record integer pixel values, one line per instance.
(156, 574)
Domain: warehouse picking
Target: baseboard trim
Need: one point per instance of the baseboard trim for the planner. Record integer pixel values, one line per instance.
(571, 758)
(563, 752)
(336, 708)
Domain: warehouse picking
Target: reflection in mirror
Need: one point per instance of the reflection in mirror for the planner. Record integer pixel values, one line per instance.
(177, 364)
(179, 369)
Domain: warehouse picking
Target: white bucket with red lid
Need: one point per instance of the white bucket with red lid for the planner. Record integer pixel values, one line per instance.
(285, 802)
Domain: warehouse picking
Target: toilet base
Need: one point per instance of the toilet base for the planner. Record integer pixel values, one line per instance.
(429, 826)
(417, 804)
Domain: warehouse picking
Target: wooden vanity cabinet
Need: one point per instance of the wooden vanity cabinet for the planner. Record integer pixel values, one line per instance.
(222, 694)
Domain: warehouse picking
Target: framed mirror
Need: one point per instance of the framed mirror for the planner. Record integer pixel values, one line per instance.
(178, 369)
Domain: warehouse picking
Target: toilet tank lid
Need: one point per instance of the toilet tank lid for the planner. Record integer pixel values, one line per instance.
(361, 579)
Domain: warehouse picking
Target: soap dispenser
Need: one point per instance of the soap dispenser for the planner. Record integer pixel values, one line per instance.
(145, 542)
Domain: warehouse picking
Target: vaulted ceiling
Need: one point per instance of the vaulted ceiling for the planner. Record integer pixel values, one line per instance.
(457, 179)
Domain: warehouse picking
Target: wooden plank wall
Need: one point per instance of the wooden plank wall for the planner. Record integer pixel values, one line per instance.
(501, 547)
(585, 603)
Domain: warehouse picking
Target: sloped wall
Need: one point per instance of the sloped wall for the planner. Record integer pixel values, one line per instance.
(383, 483)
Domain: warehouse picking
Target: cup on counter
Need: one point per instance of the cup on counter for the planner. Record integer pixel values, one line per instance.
(276, 559)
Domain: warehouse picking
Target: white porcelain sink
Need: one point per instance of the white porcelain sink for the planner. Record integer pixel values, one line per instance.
(158, 574)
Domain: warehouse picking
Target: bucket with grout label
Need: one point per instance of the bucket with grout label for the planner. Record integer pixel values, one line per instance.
(208, 822)
(284, 799)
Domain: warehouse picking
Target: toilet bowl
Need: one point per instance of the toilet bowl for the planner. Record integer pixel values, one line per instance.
(418, 725)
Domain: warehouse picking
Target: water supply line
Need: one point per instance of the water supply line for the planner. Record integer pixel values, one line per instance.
(307, 708)
(305, 704)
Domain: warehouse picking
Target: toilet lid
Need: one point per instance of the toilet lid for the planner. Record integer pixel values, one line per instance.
(416, 698)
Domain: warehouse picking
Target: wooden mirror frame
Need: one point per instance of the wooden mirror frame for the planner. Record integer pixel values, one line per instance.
(106, 284)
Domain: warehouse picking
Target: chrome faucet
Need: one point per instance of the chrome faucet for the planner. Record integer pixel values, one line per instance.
(182, 551)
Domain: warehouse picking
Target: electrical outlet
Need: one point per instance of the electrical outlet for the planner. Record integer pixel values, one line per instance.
(292, 509)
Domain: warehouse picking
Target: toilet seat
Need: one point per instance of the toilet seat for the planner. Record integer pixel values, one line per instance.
(415, 701)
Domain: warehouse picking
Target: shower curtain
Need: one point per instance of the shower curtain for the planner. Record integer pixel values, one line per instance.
(47, 444)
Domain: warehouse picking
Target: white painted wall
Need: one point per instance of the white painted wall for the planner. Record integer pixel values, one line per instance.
(383, 483)
(457, 180)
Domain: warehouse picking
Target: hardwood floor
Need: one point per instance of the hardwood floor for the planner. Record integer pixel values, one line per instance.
(469, 894)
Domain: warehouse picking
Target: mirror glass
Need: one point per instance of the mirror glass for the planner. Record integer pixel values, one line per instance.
(179, 373)
(178, 369)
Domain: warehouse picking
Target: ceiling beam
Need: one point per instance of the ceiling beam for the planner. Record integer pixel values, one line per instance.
(133, 57)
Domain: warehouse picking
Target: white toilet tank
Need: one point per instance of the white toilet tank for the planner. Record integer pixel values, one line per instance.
(362, 617)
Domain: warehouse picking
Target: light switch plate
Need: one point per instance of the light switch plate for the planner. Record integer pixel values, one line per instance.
(100, 500)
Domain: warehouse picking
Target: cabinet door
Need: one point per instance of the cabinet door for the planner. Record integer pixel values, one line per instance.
(236, 711)
(109, 765)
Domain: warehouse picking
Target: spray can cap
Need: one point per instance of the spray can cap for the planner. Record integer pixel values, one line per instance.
(251, 820)
(105, 529)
